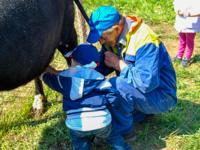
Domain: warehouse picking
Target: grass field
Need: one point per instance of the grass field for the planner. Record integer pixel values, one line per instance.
(178, 129)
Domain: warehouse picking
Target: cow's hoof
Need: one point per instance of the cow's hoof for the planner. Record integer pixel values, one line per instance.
(38, 105)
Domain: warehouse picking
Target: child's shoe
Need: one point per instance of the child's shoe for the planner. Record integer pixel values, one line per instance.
(185, 62)
(129, 137)
(176, 58)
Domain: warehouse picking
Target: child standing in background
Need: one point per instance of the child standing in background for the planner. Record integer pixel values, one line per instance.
(187, 28)
(189, 12)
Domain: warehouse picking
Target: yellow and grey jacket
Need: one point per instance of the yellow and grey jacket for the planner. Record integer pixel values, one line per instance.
(149, 67)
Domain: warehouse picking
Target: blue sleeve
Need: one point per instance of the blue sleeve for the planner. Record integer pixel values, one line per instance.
(144, 74)
(52, 82)
(102, 68)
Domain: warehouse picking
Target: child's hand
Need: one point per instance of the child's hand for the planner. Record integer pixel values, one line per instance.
(180, 12)
(184, 13)
(47, 69)
(50, 69)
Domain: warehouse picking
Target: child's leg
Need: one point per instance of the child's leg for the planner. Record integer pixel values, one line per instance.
(189, 44)
(110, 136)
(80, 140)
(182, 44)
(116, 140)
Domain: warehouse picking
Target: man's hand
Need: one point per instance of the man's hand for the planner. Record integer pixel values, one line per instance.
(112, 60)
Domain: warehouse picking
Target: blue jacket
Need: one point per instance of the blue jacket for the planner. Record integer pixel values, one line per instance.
(86, 93)
(149, 69)
(84, 87)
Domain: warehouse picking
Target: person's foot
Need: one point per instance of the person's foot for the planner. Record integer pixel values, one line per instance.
(177, 58)
(185, 62)
(129, 137)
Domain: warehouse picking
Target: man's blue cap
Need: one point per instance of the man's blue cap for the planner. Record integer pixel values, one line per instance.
(84, 54)
(101, 19)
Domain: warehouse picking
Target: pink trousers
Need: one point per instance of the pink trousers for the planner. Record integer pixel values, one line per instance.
(186, 41)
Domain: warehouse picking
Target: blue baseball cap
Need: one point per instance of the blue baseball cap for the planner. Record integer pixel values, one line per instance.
(84, 54)
(101, 19)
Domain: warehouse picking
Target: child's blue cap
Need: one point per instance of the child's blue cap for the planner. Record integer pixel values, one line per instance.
(84, 54)
(101, 19)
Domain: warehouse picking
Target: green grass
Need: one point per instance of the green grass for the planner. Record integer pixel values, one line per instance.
(178, 129)
(152, 11)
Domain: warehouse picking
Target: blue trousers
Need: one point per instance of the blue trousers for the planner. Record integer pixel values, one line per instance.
(143, 103)
(81, 141)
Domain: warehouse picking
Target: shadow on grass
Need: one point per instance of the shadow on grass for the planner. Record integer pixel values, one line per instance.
(182, 120)
(57, 137)
(195, 59)
(24, 119)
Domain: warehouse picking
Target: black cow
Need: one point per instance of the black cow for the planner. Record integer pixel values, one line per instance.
(30, 31)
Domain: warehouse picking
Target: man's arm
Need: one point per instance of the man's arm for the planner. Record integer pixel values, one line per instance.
(144, 74)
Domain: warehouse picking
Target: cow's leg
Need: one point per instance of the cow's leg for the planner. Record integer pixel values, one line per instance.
(39, 100)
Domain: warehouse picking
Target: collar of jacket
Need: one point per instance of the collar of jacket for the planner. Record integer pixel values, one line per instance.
(136, 22)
